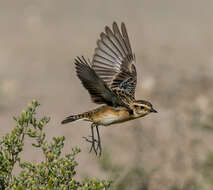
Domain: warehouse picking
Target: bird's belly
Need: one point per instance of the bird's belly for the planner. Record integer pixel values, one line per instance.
(111, 117)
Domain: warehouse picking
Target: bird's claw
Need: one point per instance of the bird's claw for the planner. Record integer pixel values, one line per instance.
(93, 141)
(90, 141)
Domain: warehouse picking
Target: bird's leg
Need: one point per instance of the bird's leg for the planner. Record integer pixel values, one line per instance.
(93, 140)
(99, 141)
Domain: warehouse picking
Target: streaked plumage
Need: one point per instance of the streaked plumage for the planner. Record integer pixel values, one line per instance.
(110, 79)
(113, 62)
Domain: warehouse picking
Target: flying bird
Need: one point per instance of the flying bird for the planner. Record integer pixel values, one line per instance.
(110, 79)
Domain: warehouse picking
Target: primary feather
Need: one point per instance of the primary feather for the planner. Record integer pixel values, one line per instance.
(113, 60)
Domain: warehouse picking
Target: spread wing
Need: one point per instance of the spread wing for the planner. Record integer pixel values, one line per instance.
(113, 61)
(99, 91)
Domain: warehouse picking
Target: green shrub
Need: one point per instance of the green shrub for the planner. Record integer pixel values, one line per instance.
(54, 172)
(207, 169)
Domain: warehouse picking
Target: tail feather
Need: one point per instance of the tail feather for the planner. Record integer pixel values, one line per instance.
(72, 118)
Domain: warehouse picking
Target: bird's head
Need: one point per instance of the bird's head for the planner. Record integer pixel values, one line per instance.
(141, 108)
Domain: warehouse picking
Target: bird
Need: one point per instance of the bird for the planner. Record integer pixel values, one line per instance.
(110, 78)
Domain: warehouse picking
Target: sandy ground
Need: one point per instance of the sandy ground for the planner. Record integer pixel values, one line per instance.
(173, 43)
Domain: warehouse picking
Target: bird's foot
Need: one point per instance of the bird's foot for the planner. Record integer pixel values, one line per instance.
(89, 140)
(95, 145)
(93, 141)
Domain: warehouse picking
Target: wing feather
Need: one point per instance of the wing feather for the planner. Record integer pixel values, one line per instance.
(113, 60)
(99, 91)
(119, 37)
(108, 42)
(115, 41)
(126, 38)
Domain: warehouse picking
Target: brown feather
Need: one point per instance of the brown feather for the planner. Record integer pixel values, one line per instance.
(99, 91)
(113, 60)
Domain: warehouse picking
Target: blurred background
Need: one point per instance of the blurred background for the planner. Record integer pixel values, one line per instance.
(173, 43)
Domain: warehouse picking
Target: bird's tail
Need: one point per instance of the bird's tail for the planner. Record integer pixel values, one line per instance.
(72, 118)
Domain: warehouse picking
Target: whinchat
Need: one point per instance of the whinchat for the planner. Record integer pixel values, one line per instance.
(110, 80)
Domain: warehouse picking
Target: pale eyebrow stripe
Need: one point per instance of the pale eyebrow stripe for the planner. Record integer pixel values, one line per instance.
(145, 106)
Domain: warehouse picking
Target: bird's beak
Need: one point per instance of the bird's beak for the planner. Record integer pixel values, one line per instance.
(153, 110)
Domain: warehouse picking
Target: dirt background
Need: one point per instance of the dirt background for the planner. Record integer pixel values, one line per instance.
(173, 43)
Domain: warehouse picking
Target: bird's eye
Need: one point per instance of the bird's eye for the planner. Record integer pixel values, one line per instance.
(142, 107)
(136, 106)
